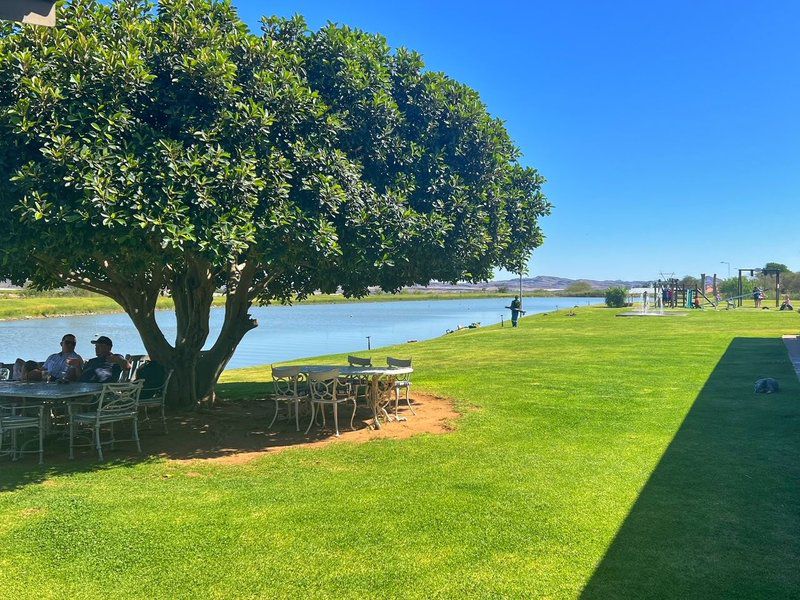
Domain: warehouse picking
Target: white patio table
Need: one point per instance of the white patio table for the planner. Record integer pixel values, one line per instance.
(47, 393)
(376, 375)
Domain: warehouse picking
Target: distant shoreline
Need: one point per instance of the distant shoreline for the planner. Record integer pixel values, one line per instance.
(42, 307)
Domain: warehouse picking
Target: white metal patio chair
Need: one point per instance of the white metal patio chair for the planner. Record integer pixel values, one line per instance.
(402, 382)
(14, 418)
(324, 389)
(357, 361)
(136, 360)
(156, 398)
(287, 391)
(359, 385)
(117, 402)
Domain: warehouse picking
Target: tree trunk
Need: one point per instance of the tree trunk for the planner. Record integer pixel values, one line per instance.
(195, 371)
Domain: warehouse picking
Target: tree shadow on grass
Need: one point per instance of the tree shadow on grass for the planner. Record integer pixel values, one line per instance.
(237, 425)
(720, 515)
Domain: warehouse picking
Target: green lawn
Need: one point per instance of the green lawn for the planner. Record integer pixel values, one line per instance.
(597, 456)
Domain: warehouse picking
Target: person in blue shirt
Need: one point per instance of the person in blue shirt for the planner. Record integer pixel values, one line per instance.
(64, 365)
(106, 367)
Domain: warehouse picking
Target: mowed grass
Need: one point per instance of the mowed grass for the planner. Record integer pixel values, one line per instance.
(597, 456)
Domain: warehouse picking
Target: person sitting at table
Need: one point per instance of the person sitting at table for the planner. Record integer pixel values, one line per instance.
(106, 367)
(31, 371)
(62, 365)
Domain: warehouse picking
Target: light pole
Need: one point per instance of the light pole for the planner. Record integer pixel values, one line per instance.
(725, 262)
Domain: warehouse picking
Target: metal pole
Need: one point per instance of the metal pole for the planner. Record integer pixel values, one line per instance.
(739, 289)
(520, 289)
(369, 343)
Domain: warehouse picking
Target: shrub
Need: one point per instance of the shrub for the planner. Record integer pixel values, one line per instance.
(616, 297)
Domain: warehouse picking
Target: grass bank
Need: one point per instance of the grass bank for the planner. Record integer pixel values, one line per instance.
(598, 457)
(42, 306)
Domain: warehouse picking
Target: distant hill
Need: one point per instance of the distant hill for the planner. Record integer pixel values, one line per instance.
(540, 282)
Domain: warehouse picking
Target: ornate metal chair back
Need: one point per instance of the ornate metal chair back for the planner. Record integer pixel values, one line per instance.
(284, 380)
(119, 399)
(322, 385)
(357, 361)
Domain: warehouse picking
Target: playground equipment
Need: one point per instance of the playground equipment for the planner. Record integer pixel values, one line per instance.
(670, 293)
(775, 272)
(673, 293)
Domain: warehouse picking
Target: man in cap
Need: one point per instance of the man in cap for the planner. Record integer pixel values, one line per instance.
(61, 364)
(106, 367)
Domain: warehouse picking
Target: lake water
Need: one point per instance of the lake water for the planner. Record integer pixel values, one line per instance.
(284, 332)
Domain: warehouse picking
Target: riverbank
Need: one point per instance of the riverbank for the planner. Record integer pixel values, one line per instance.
(594, 457)
(39, 307)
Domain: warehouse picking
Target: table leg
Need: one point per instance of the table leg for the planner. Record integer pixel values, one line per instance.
(373, 400)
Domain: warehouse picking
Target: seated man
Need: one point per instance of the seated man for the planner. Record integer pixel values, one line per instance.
(63, 365)
(106, 367)
(31, 371)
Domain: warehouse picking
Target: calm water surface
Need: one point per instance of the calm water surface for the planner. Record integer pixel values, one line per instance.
(284, 332)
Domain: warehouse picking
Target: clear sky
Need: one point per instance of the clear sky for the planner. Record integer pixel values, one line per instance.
(669, 131)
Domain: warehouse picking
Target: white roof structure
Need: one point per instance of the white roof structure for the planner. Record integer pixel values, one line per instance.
(638, 291)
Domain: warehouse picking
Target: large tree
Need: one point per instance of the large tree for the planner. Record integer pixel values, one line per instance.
(168, 149)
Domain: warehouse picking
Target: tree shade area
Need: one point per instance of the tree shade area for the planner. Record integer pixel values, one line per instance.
(632, 460)
(151, 150)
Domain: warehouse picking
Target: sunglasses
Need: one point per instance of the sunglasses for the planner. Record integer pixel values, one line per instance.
(71, 342)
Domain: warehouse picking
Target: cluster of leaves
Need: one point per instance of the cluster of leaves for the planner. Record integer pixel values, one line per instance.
(139, 139)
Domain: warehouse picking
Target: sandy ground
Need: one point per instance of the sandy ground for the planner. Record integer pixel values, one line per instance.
(237, 432)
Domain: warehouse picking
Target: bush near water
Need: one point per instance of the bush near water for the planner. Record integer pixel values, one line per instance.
(616, 297)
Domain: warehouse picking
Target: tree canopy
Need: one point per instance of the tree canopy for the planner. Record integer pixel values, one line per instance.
(168, 149)
(776, 266)
(580, 288)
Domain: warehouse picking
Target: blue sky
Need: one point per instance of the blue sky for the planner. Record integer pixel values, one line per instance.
(669, 132)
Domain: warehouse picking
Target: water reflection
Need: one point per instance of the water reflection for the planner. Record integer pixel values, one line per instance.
(284, 332)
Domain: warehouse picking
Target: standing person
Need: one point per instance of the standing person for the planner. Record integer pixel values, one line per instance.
(757, 297)
(516, 309)
(644, 301)
(106, 367)
(63, 365)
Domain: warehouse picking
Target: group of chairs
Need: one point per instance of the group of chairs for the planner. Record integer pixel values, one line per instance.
(115, 403)
(292, 390)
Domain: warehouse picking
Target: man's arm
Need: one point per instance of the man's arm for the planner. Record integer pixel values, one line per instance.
(118, 359)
